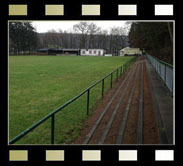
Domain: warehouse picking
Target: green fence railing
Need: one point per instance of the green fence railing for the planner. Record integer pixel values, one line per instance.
(51, 115)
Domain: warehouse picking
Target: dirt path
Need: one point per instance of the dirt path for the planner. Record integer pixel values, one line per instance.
(126, 114)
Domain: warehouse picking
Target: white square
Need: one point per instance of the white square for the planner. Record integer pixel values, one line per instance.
(164, 155)
(127, 9)
(127, 155)
(163, 10)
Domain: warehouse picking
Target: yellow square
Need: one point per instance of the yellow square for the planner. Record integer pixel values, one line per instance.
(91, 155)
(18, 155)
(15, 10)
(90, 9)
(54, 10)
(54, 155)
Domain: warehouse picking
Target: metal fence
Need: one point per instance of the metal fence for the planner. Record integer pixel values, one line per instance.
(119, 71)
(164, 70)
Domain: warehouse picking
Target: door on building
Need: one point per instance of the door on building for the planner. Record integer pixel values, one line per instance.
(98, 53)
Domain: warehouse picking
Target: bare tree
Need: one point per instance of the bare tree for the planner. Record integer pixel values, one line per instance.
(104, 39)
(117, 40)
(83, 28)
(92, 29)
(170, 30)
(86, 35)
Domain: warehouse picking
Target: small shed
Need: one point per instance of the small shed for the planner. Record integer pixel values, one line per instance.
(71, 51)
(92, 52)
(128, 51)
(68, 51)
(107, 54)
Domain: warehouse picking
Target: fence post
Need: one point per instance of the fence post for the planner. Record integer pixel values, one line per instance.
(157, 66)
(88, 101)
(111, 80)
(121, 71)
(160, 69)
(165, 74)
(102, 88)
(172, 88)
(117, 75)
(52, 128)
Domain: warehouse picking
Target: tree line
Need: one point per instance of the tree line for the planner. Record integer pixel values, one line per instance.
(24, 38)
(154, 37)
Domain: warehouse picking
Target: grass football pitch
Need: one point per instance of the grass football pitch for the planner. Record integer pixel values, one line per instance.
(40, 84)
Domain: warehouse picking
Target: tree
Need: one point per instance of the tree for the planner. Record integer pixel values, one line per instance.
(170, 30)
(117, 40)
(85, 35)
(92, 29)
(22, 37)
(83, 28)
(155, 37)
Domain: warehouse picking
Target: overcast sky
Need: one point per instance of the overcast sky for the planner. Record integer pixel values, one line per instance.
(44, 26)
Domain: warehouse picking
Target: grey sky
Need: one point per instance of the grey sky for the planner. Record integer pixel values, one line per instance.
(44, 26)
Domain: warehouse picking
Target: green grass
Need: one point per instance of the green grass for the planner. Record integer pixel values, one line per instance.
(40, 84)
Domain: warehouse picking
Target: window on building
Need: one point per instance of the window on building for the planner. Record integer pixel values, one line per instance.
(90, 52)
(83, 52)
(95, 51)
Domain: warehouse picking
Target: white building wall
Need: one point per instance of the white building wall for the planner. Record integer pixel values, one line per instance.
(107, 54)
(92, 52)
(129, 51)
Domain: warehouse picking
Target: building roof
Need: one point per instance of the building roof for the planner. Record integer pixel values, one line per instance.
(92, 49)
(70, 49)
(60, 49)
(128, 48)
